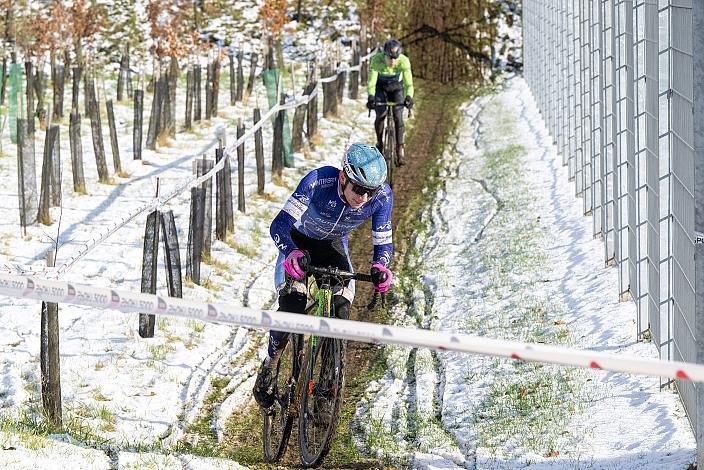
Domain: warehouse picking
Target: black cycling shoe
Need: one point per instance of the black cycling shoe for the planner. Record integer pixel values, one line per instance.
(400, 155)
(263, 387)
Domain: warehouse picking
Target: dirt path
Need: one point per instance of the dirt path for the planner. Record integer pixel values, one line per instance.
(430, 130)
(432, 123)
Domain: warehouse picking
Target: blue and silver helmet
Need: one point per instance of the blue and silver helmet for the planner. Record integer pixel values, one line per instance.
(364, 165)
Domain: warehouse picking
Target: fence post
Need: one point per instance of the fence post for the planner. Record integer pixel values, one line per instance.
(227, 175)
(216, 85)
(240, 75)
(114, 146)
(220, 194)
(138, 122)
(197, 111)
(354, 75)
(56, 166)
(252, 74)
(329, 92)
(96, 131)
(277, 147)
(30, 96)
(205, 167)
(122, 77)
(209, 91)
(149, 265)
(240, 169)
(172, 257)
(155, 114)
(341, 75)
(189, 100)
(74, 134)
(259, 152)
(299, 117)
(75, 86)
(50, 364)
(312, 112)
(194, 251)
(57, 79)
(233, 79)
(47, 167)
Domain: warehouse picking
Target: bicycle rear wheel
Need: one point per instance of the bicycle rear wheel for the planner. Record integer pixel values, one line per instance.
(390, 147)
(278, 419)
(321, 399)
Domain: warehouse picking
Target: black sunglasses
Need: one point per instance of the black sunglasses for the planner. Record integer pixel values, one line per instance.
(362, 190)
(392, 56)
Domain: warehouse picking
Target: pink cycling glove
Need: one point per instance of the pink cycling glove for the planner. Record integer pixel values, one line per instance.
(381, 277)
(294, 262)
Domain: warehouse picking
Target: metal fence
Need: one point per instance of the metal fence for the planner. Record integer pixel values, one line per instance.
(624, 103)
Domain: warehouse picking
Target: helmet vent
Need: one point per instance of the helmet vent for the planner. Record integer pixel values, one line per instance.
(361, 172)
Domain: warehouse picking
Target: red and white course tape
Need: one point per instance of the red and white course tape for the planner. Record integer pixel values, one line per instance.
(30, 287)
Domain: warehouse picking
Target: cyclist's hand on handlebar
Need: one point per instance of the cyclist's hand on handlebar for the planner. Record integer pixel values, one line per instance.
(381, 277)
(408, 102)
(295, 264)
(370, 102)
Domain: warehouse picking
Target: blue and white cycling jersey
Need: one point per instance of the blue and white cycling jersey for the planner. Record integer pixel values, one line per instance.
(317, 210)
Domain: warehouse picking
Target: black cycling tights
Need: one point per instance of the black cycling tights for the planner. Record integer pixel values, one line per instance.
(296, 303)
(397, 97)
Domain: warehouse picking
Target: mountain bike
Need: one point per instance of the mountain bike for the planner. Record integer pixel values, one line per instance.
(321, 384)
(323, 379)
(390, 154)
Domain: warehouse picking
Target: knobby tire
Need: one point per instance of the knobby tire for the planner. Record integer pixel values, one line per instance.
(278, 419)
(321, 399)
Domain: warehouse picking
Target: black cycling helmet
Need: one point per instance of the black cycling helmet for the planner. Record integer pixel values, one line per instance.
(392, 48)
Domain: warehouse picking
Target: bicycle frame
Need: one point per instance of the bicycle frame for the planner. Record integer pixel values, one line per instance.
(322, 376)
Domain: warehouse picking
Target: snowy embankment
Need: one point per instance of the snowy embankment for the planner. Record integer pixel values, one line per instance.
(503, 251)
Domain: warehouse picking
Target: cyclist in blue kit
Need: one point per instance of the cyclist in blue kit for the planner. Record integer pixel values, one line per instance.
(312, 228)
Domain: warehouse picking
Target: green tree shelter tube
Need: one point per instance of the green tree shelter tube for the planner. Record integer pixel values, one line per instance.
(271, 77)
(15, 105)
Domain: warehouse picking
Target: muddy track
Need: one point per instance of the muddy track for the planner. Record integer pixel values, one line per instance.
(431, 130)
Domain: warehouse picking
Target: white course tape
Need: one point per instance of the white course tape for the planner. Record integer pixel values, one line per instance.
(126, 301)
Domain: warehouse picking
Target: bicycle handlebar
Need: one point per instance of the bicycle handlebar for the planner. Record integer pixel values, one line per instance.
(389, 104)
(339, 273)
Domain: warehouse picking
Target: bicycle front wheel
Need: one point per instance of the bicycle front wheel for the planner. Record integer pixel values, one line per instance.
(321, 399)
(390, 148)
(278, 419)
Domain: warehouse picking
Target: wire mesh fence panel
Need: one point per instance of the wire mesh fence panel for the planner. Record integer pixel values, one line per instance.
(685, 331)
(625, 153)
(664, 188)
(623, 110)
(571, 88)
(597, 133)
(587, 106)
(608, 125)
(647, 165)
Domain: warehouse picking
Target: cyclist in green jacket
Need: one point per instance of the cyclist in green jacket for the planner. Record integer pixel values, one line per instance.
(390, 79)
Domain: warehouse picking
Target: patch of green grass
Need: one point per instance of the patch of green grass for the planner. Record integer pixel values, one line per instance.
(200, 438)
(159, 352)
(247, 248)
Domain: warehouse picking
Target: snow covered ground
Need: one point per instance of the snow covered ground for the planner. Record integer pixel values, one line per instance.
(121, 392)
(506, 253)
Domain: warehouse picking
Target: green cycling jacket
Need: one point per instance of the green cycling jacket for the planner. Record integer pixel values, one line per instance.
(379, 71)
